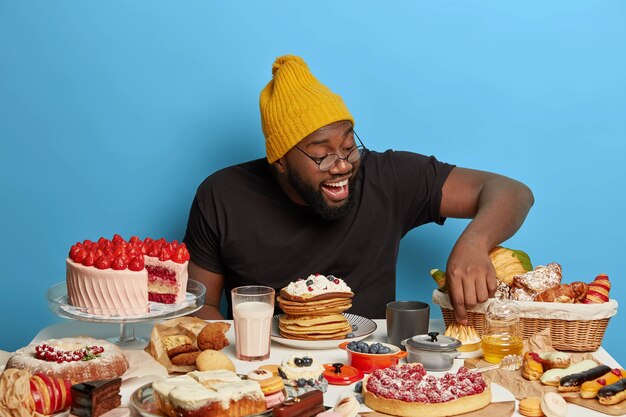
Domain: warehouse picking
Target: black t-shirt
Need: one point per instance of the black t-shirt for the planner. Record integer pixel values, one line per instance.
(242, 225)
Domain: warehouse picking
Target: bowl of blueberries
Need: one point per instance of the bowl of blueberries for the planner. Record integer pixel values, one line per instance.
(370, 357)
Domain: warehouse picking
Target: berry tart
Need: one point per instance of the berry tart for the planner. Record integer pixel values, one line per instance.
(406, 390)
(118, 277)
(75, 359)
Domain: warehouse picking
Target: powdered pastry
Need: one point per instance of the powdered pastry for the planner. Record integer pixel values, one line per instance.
(77, 359)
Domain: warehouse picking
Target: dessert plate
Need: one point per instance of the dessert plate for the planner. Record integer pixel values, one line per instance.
(143, 401)
(364, 327)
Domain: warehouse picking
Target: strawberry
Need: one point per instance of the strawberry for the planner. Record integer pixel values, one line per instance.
(153, 250)
(166, 254)
(103, 262)
(134, 240)
(117, 239)
(119, 264)
(179, 255)
(119, 249)
(136, 264)
(102, 240)
(80, 256)
(87, 243)
(73, 251)
(90, 259)
(148, 241)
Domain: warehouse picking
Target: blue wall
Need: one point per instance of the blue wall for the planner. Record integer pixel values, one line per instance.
(112, 113)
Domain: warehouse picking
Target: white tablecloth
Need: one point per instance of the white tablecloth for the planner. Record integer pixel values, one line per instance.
(278, 353)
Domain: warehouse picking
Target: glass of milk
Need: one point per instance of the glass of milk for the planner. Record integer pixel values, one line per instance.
(253, 308)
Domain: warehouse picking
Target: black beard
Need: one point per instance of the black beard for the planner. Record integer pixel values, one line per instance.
(314, 199)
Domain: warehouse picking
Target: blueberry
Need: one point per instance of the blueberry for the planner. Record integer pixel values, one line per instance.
(373, 349)
(330, 277)
(355, 327)
(309, 282)
(351, 345)
(301, 382)
(349, 335)
(321, 377)
(307, 361)
(385, 349)
(298, 362)
(358, 387)
(282, 374)
(311, 382)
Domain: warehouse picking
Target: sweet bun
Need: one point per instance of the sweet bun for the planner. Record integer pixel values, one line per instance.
(210, 360)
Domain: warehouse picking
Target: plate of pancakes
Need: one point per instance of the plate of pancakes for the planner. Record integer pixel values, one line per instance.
(320, 332)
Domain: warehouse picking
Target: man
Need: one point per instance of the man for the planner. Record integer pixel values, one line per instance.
(322, 203)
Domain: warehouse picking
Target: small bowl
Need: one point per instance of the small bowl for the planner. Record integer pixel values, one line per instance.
(369, 362)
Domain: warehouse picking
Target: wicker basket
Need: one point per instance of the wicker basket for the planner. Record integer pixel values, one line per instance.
(571, 335)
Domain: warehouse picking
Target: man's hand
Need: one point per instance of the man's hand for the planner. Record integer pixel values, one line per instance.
(498, 207)
(470, 277)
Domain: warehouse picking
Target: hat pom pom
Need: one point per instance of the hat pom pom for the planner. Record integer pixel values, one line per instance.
(281, 60)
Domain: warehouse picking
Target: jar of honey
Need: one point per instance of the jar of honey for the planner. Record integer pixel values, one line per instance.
(502, 335)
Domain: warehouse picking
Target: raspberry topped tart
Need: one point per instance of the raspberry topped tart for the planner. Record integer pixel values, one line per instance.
(118, 277)
(76, 359)
(406, 390)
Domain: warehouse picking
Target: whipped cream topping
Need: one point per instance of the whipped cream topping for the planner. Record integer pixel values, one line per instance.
(294, 372)
(196, 389)
(316, 285)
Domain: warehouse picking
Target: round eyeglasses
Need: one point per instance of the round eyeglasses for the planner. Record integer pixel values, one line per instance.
(326, 163)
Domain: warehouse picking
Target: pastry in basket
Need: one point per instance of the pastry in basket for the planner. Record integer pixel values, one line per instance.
(507, 263)
(208, 394)
(76, 359)
(530, 284)
(589, 389)
(24, 394)
(406, 390)
(598, 290)
(470, 340)
(564, 293)
(302, 373)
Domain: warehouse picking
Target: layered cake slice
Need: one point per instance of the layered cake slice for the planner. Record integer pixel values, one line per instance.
(118, 277)
(94, 398)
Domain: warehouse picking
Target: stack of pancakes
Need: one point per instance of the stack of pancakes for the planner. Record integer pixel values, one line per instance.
(316, 313)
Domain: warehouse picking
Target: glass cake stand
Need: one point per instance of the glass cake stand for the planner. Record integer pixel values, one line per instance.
(58, 303)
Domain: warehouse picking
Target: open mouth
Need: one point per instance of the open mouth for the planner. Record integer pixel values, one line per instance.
(336, 191)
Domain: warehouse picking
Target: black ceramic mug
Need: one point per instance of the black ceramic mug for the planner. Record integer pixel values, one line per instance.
(406, 319)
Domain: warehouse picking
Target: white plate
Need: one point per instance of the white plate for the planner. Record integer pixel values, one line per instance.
(143, 401)
(365, 327)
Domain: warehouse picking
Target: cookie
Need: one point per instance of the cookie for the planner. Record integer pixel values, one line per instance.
(531, 407)
(213, 336)
(185, 359)
(186, 348)
(209, 360)
(259, 374)
(347, 407)
(272, 368)
(271, 385)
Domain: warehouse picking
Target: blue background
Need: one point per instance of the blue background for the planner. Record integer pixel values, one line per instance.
(112, 113)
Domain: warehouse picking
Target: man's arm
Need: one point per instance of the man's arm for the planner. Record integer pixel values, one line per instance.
(214, 284)
(498, 206)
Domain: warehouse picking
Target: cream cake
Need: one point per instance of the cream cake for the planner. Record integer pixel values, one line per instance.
(210, 393)
(118, 277)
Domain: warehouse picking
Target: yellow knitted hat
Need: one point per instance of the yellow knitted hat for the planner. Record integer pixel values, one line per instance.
(295, 104)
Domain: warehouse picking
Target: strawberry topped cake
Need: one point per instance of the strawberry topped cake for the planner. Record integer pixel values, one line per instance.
(118, 277)
(406, 390)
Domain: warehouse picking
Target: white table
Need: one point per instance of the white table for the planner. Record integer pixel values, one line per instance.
(279, 352)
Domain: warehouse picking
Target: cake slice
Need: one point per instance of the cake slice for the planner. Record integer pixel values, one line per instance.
(92, 399)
